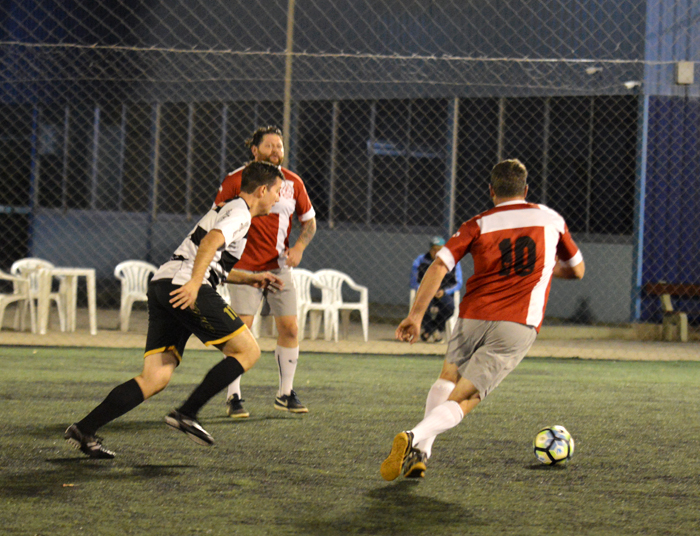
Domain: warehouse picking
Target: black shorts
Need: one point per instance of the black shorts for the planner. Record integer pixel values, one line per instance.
(211, 319)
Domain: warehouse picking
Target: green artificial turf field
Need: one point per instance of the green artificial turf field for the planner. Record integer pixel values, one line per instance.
(635, 470)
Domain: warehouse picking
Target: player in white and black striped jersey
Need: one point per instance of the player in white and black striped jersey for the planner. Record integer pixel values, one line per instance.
(182, 300)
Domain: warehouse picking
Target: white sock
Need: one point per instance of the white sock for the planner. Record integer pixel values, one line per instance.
(234, 388)
(439, 393)
(443, 417)
(287, 359)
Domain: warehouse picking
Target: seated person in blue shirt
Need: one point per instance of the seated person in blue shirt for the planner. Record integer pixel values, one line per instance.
(442, 307)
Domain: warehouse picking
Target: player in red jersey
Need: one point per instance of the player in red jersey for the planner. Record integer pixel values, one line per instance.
(517, 248)
(268, 249)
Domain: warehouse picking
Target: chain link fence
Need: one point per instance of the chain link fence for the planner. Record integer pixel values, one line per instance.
(119, 120)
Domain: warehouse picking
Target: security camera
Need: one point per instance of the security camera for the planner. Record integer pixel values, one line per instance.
(631, 84)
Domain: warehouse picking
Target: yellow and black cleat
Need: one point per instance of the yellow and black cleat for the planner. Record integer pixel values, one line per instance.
(391, 467)
(414, 465)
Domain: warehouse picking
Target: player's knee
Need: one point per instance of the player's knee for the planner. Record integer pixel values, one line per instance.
(288, 327)
(247, 354)
(450, 373)
(153, 382)
(292, 332)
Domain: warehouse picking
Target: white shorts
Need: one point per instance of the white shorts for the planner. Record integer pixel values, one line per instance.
(485, 352)
(245, 299)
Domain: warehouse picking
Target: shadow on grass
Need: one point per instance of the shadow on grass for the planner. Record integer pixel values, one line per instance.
(394, 509)
(279, 416)
(543, 467)
(54, 430)
(72, 472)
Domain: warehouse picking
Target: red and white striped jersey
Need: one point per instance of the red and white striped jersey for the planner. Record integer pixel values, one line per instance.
(268, 236)
(515, 247)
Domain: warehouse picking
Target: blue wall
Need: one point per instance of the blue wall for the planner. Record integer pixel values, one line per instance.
(672, 204)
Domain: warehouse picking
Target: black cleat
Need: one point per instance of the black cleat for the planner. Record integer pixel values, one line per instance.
(190, 427)
(235, 409)
(290, 403)
(87, 444)
(414, 464)
(400, 449)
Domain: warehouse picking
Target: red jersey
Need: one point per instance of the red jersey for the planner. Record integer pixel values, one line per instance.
(515, 247)
(268, 236)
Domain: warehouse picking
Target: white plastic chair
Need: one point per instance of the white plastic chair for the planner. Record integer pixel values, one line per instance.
(334, 297)
(451, 322)
(303, 280)
(134, 276)
(29, 268)
(20, 293)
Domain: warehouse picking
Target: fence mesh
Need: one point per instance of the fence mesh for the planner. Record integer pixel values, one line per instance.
(118, 121)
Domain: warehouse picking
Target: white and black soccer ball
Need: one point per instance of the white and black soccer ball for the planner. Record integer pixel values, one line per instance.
(553, 445)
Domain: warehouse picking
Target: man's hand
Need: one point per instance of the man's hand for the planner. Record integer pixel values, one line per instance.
(266, 280)
(294, 255)
(296, 252)
(408, 330)
(186, 295)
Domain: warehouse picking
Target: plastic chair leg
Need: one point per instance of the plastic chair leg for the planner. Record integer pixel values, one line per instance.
(345, 316)
(315, 323)
(365, 324)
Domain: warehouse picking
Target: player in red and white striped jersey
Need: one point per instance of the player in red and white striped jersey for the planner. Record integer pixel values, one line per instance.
(517, 248)
(268, 249)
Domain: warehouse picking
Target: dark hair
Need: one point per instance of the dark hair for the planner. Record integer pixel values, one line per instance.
(257, 174)
(509, 178)
(258, 135)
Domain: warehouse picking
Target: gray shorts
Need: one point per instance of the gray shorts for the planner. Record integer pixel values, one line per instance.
(245, 299)
(485, 352)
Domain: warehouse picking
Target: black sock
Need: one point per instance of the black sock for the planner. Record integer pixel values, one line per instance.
(121, 399)
(216, 379)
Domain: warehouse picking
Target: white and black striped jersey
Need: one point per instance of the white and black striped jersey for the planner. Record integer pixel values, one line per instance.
(233, 220)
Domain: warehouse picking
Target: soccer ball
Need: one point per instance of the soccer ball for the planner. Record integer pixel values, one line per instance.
(553, 445)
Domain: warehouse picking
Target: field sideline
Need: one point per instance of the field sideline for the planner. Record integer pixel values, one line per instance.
(635, 470)
(585, 342)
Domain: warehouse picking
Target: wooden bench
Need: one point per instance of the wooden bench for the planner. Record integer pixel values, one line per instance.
(675, 323)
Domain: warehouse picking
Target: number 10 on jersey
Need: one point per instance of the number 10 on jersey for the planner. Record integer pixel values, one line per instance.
(519, 257)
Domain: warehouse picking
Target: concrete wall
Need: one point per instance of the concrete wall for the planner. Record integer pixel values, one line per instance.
(378, 260)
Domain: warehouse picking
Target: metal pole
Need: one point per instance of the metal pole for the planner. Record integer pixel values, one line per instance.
(501, 127)
(33, 179)
(66, 148)
(454, 120)
(407, 165)
(334, 164)
(190, 159)
(224, 133)
(155, 160)
(370, 165)
(545, 149)
(122, 157)
(95, 158)
(639, 208)
(589, 167)
(155, 169)
(286, 128)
